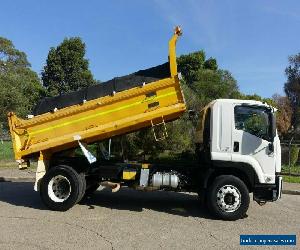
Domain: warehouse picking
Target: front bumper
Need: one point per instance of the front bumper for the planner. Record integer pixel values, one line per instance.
(268, 192)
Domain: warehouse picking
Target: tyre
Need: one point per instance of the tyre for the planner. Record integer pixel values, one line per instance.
(91, 189)
(61, 188)
(90, 186)
(228, 198)
(83, 189)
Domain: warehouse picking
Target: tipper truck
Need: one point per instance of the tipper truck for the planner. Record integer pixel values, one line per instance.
(236, 143)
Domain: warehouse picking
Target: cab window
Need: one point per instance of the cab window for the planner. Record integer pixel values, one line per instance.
(254, 120)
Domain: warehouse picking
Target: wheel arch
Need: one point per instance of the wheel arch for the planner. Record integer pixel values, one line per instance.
(240, 170)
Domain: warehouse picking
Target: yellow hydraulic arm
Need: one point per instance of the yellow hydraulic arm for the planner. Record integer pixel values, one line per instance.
(126, 111)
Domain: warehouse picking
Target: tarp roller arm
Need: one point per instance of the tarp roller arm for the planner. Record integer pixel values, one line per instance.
(172, 51)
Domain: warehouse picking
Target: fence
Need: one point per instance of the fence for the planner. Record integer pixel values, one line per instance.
(290, 168)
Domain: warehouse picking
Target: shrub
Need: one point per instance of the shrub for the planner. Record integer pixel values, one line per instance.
(294, 155)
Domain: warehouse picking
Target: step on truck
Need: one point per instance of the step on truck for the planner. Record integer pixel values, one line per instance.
(236, 143)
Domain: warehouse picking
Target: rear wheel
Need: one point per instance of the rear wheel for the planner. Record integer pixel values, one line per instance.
(91, 189)
(90, 186)
(228, 198)
(84, 186)
(61, 188)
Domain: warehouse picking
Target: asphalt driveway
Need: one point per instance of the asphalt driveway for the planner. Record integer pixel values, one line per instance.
(132, 219)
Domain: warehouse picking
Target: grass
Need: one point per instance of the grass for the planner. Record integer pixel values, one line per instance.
(294, 169)
(6, 154)
(291, 179)
(7, 158)
(6, 150)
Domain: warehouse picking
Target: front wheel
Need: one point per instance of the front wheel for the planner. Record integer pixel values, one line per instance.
(61, 188)
(228, 198)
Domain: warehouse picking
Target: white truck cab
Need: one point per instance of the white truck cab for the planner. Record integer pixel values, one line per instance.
(241, 131)
(239, 138)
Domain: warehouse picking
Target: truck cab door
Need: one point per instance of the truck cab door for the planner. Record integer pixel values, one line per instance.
(251, 141)
(221, 131)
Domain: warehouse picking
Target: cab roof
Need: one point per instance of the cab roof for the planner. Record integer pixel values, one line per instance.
(238, 101)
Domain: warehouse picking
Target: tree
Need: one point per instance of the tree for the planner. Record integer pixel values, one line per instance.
(292, 88)
(205, 79)
(11, 59)
(189, 65)
(211, 63)
(284, 114)
(66, 68)
(20, 87)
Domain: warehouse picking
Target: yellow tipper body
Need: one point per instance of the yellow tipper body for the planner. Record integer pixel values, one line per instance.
(101, 118)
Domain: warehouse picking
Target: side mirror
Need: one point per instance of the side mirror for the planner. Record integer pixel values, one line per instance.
(271, 147)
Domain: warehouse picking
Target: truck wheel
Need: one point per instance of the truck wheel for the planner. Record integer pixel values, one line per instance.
(91, 189)
(83, 189)
(228, 198)
(61, 188)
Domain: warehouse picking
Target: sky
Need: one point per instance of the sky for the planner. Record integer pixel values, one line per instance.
(251, 39)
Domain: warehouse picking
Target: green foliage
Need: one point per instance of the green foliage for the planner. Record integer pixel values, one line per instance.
(181, 135)
(6, 150)
(127, 146)
(189, 65)
(284, 114)
(295, 169)
(211, 63)
(204, 81)
(191, 98)
(20, 87)
(292, 87)
(291, 179)
(66, 68)
(10, 58)
(294, 155)
(147, 143)
(210, 85)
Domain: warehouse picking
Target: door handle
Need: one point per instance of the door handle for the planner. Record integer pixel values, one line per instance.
(236, 146)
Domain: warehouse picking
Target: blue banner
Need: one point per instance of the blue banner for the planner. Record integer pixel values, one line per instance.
(253, 239)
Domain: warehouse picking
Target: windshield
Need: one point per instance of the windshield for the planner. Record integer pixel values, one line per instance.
(254, 120)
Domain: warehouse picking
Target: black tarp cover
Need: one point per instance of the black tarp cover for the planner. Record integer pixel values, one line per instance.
(117, 84)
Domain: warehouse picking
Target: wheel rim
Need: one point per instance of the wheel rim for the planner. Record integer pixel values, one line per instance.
(228, 198)
(59, 188)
